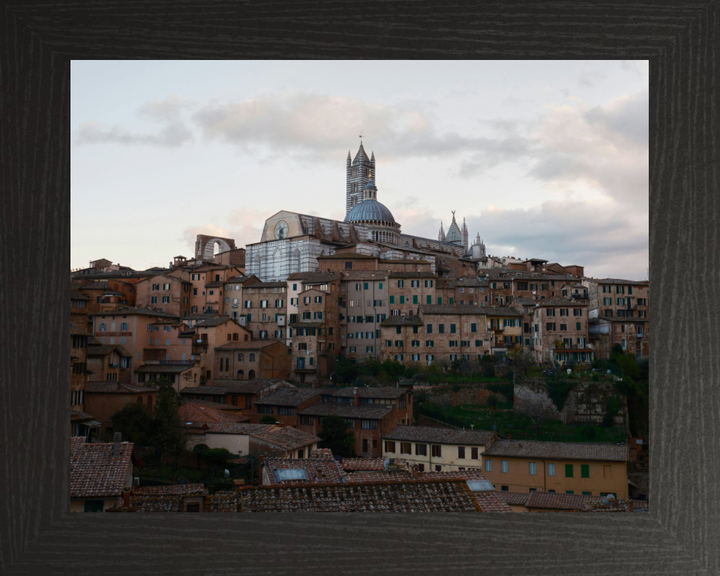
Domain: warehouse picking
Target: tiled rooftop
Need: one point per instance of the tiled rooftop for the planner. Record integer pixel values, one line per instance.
(347, 410)
(440, 435)
(289, 396)
(286, 438)
(94, 472)
(402, 321)
(223, 387)
(412, 496)
(194, 413)
(249, 345)
(490, 502)
(314, 277)
(317, 470)
(174, 489)
(116, 388)
(370, 392)
(559, 450)
(362, 464)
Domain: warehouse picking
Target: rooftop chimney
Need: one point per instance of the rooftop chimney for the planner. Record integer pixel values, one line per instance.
(356, 398)
(320, 472)
(117, 437)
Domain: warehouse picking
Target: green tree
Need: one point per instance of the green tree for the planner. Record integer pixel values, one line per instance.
(336, 436)
(134, 422)
(345, 371)
(392, 369)
(268, 419)
(492, 403)
(523, 360)
(168, 433)
(613, 404)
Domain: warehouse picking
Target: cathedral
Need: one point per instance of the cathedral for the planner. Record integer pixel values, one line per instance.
(291, 242)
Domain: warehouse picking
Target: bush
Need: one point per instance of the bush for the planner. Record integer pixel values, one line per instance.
(506, 389)
(456, 388)
(588, 433)
(268, 419)
(558, 391)
(221, 485)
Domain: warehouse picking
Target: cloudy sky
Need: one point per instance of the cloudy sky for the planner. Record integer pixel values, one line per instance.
(543, 159)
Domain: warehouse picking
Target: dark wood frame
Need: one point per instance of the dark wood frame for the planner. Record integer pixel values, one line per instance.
(39, 536)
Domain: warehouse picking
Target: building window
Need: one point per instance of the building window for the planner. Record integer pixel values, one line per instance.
(504, 488)
(568, 470)
(503, 466)
(369, 424)
(488, 465)
(461, 452)
(551, 470)
(390, 447)
(421, 449)
(532, 468)
(405, 448)
(474, 453)
(436, 450)
(584, 470)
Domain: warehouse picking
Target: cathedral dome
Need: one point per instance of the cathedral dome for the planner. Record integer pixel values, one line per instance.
(369, 210)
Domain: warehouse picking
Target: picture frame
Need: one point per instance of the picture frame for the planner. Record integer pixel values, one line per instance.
(38, 533)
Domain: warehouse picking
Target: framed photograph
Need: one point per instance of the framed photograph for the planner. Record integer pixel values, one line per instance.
(50, 51)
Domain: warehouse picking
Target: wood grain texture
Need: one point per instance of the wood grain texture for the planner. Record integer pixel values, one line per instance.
(39, 536)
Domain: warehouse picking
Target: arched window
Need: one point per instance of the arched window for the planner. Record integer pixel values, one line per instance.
(251, 374)
(240, 374)
(149, 402)
(241, 357)
(139, 400)
(252, 357)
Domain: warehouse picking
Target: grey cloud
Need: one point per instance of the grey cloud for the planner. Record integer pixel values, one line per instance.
(171, 136)
(605, 241)
(627, 117)
(168, 110)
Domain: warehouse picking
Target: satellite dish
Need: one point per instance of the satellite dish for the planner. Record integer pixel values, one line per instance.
(386, 463)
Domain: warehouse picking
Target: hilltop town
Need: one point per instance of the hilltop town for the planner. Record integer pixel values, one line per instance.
(348, 366)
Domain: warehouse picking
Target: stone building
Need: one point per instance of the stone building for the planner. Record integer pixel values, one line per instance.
(316, 338)
(163, 292)
(79, 336)
(264, 310)
(232, 303)
(363, 306)
(248, 360)
(559, 329)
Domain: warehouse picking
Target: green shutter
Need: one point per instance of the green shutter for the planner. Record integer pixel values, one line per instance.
(365, 286)
(584, 470)
(568, 470)
(415, 299)
(392, 299)
(439, 300)
(429, 299)
(380, 285)
(451, 300)
(577, 326)
(402, 299)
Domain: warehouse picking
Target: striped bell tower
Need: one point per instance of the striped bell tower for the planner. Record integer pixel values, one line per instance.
(360, 171)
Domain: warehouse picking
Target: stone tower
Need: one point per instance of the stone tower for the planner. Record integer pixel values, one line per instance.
(360, 171)
(441, 234)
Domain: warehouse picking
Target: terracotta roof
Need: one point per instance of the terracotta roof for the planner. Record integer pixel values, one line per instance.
(75, 295)
(370, 392)
(304, 324)
(559, 450)
(402, 321)
(266, 285)
(223, 387)
(411, 496)
(116, 388)
(216, 284)
(363, 464)
(105, 349)
(411, 274)
(346, 410)
(289, 396)
(79, 416)
(440, 435)
(174, 489)
(215, 321)
(365, 275)
(164, 368)
(314, 277)
(128, 311)
(215, 405)
(618, 281)
(191, 412)
(78, 332)
(556, 501)
(284, 437)
(514, 498)
(464, 309)
(490, 502)
(330, 472)
(249, 345)
(94, 472)
(560, 302)
(498, 311)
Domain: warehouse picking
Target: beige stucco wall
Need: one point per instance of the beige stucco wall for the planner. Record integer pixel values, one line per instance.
(448, 460)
